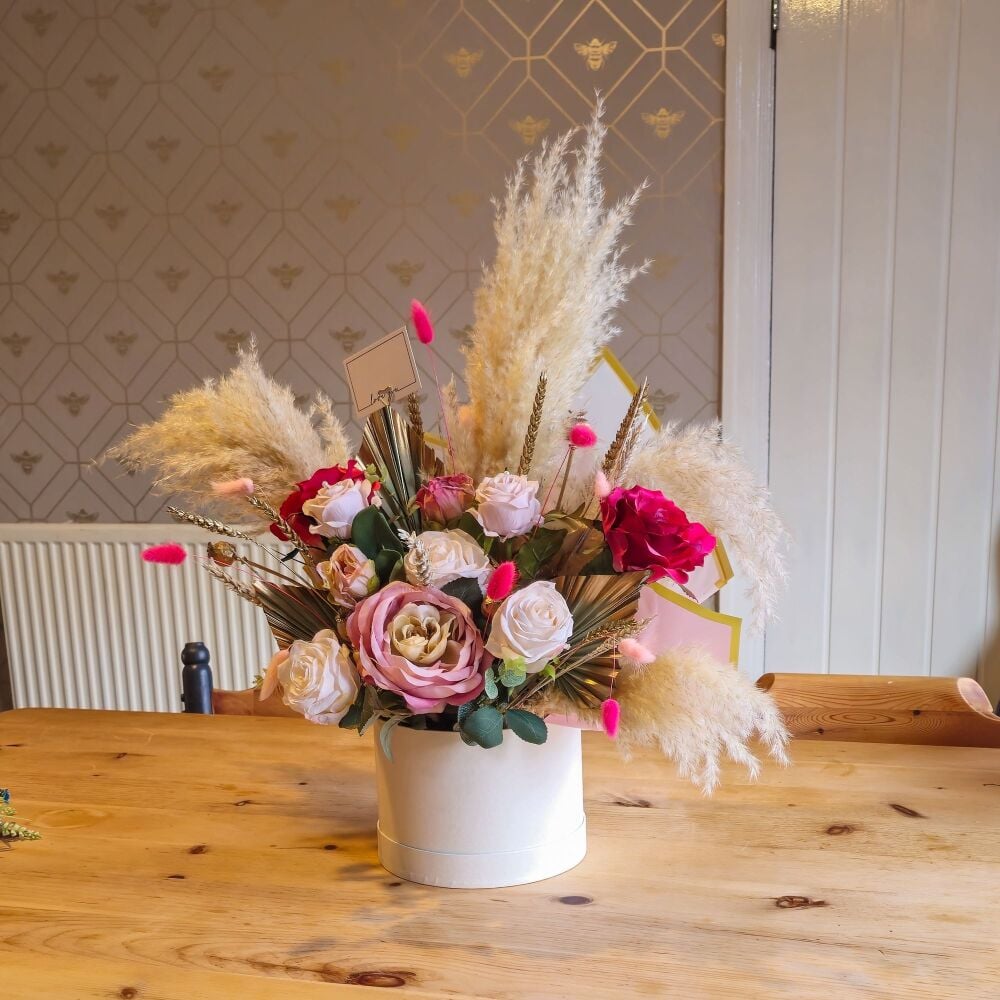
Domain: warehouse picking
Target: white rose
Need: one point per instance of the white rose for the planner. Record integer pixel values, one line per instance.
(534, 623)
(452, 555)
(318, 678)
(349, 575)
(336, 506)
(507, 505)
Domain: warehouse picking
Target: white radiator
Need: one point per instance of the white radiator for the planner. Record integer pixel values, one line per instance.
(90, 625)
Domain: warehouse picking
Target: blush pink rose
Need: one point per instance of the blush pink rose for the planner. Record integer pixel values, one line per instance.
(445, 498)
(645, 530)
(420, 643)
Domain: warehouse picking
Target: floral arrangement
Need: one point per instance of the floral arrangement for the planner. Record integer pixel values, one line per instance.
(9, 830)
(491, 585)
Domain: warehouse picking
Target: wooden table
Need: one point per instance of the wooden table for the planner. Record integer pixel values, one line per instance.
(197, 857)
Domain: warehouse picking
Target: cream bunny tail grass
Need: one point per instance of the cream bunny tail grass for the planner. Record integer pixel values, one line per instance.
(243, 425)
(696, 711)
(706, 476)
(545, 304)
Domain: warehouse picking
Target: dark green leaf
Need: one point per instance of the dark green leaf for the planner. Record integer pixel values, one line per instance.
(352, 719)
(485, 726)
(467, 591)
(372, 533)
(386, 562)
(533, 555)
(472, 527)
(530, 727)
(600, 565)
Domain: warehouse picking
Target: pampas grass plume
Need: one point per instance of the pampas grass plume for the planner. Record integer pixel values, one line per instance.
(233, 488)
(501, 582)
(582, 436)
(421, 322)
(611, 713)
(168, 554)
(602, 487)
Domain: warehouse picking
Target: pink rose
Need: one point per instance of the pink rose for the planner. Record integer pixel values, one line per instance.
(445, 498)
(349, 575)
(507, 505)
(420, 643)
(645, 530)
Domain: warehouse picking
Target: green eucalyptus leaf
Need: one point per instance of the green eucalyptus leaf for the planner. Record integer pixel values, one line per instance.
(513, 673)
(491, 689)
(530, 727)
(484, 726)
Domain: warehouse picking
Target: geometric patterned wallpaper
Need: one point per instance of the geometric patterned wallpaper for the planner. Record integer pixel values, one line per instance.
(176, 174)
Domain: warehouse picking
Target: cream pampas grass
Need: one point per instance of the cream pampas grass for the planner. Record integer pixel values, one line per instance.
(696, 711)
(544, 305)
(241, 426)
(706, 476)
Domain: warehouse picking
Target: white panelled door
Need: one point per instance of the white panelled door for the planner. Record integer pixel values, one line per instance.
(886, 335)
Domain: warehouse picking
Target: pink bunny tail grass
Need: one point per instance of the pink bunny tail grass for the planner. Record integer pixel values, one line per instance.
(421, 322)
(169, 554)
(501, 582)
(582, 436)
(611, 713)
(233, 488)
(635, 651)
(601, 485)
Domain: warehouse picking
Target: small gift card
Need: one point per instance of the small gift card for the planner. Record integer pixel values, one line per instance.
(382, 372)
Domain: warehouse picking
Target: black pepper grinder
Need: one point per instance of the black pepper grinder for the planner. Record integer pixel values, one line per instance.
(196, 679)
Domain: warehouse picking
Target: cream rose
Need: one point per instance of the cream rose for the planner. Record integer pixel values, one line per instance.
(335, 506)
(533, 623)
(507, 505)
(316, 678)
(452, 555)
(349, 575)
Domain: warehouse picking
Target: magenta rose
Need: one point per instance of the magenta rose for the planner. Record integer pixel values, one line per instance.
(645, 530)
(291, 509)
(445, 498)
(420, 643)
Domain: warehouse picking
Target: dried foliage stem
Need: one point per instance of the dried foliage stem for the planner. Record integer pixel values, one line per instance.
(240, 589)
(415, 416)
(534, 421)
(618, 455)
(545, 303)
(208, 523)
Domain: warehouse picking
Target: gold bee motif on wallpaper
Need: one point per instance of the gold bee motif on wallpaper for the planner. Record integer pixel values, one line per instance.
(7, 219)
(232, 339)
(348, 338)
(280, 142)
(111, 215)
(659, 400)
(15, 343)
(101, 84)
(26, 460)
(63, 280)
(74, 402)
(153, 11)
(405, 270)
(51, 153)
(285, 274)
(342, 206)
(40, 20)
(121, 341)
(401, 135)
(595, 52)
(663, 121)
(463, 61)
(172, 277)
(82, 516)
(529, 128)
(337, 69)
(163, 147)
(216, 76)
(223, 210)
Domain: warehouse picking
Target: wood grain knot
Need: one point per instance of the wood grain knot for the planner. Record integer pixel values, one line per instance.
(906, 811)
(128, 993)
(575, 900)
(11, 746)
(386, 980)
(244, 802)
(839, 829)
(198, 849)
(329, 847)
(798, 902)
(621, 800)
(119, 756)
(181, 877)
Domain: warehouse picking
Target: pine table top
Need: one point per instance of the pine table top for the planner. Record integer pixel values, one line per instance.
(201, 857)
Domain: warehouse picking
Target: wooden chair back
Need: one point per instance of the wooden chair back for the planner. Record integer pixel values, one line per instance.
(248, 703)
(934, 711)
